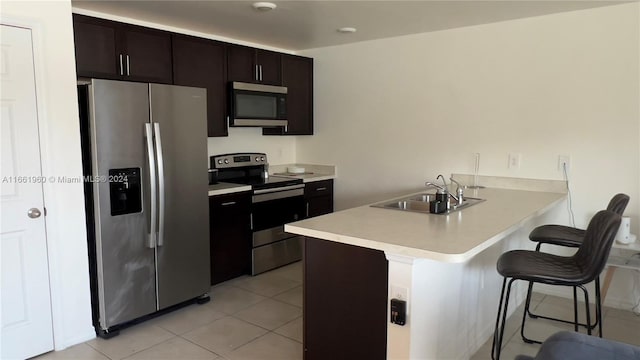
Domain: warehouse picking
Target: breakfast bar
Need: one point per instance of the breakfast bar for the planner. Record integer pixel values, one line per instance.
(442, 266)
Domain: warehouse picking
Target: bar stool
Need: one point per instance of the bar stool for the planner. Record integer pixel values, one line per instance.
(534, 266)
(569, 237)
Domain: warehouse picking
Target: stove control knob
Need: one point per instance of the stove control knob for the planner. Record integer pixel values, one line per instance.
(257, 158)
(226, 161)
(219, 161)
(261, 158)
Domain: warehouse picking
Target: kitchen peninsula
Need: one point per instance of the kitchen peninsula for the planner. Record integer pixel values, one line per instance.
(358, 259)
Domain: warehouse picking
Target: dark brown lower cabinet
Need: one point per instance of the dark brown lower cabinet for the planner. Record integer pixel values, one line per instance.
(345, 302)
(230, 229)
(318, 196)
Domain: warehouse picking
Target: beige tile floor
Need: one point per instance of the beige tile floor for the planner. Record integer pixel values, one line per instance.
(247, 318)
(618, 325)
(256, 318)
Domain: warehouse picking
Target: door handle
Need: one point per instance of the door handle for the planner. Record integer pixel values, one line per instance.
(34, 213)
(151, 242)
(228, 203)
(121, 69)
(257, 78)
(260, 72)
(128, 67)
(161, 185)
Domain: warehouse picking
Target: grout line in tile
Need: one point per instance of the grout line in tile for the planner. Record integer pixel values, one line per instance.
(250, 323)
(283, 302)
(280, 293)
(252, 340)
(213, 352)
(274, 331)
(100, 352)
(148, 347)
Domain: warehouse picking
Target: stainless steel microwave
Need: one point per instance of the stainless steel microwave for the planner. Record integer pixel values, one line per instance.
(257, 105)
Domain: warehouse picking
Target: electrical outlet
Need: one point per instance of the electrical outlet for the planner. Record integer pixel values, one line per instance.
(514, 160)
(564, 161)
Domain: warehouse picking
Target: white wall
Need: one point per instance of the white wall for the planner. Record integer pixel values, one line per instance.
(279, 149)
(59, 133)
(395, 112)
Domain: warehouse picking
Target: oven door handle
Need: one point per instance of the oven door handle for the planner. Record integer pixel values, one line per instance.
(278, 189)
(278, 195)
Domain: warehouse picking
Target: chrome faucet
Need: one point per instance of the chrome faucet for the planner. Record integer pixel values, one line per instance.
(439, 187)
(442, 194)
(443, 190)
(459, 192)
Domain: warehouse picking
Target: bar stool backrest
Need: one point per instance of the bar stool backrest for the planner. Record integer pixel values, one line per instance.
(592, 255)
(618, 203)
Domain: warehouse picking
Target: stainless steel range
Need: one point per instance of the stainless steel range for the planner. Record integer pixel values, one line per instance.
(275, 202)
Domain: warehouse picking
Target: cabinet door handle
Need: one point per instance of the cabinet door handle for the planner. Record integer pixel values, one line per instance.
(307, 209)
(251, 220)
(228, 203)
(321, 189)
(256, 77)
(260, 67)
(128, 67)
(121, 69)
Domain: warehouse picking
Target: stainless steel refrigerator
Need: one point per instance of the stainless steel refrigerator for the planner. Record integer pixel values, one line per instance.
(145, 165)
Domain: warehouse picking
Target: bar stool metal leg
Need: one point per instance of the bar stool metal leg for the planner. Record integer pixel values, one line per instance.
(588, 311)
(575, 315)
(495, 331)
(536, 316)
(575, 309)
(499, 335)
(598, 307)
(524, 318)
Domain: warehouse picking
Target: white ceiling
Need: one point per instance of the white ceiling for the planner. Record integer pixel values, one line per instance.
(298, 25)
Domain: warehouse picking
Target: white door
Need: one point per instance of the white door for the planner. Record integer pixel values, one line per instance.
(25, 301)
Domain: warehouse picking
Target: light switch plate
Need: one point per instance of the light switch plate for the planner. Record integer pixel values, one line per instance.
(514, 160)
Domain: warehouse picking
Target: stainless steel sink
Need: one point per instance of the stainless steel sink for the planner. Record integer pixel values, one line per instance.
(408, 205)
(420, 203)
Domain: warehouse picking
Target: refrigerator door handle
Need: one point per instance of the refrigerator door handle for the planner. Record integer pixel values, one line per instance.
(151, 240)
(161, 192)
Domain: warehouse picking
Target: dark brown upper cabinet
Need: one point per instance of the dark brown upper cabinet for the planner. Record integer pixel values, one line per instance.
(202, 63)
(252, 65)
(297, 76)
(112, 50)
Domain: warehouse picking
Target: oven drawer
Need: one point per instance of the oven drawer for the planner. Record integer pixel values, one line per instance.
(267, 236)
(277, 254)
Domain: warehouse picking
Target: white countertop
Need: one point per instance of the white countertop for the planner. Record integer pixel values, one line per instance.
(306, 178)
(453, 238)
(223, 188)
(314, 172)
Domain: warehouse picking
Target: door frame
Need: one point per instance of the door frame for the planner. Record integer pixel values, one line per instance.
(54, 238)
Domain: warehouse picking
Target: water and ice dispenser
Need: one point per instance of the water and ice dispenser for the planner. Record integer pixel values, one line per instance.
(125, 191)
